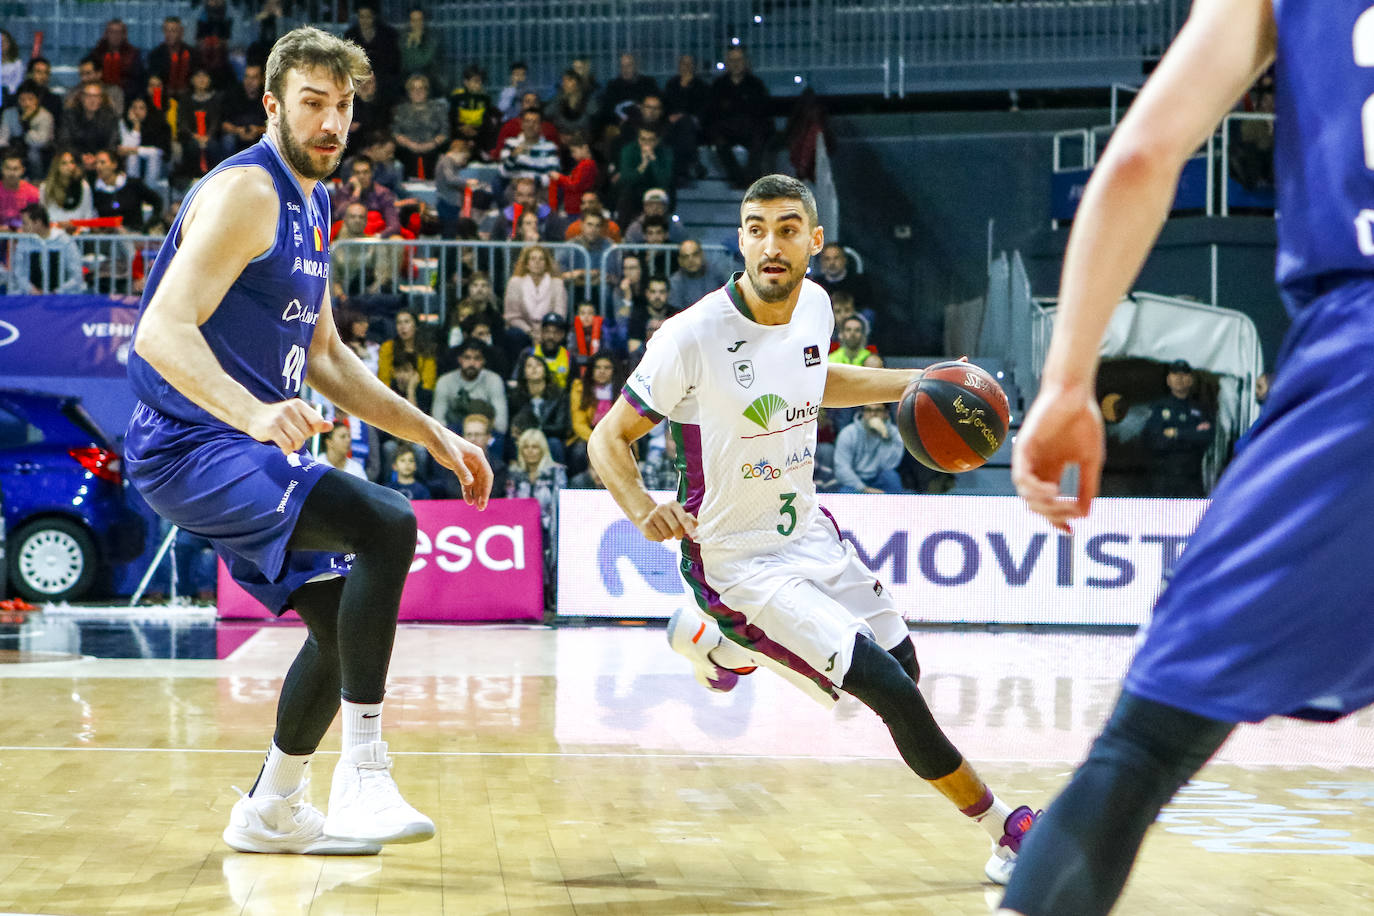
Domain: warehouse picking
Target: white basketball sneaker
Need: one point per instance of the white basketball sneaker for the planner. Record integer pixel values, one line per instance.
(699, 640)
(365, 805)
(271, 823)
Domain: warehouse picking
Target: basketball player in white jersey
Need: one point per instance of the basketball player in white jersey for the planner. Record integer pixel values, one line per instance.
(742, 376)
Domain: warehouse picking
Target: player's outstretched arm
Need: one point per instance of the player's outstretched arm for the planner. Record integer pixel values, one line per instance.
(609, 451)
(855, 386)
(335, 371)
(230, 221)
(1222, 48)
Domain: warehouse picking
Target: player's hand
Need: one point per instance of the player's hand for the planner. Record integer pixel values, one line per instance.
(467, 461)
(1063, 427)
(668, 521)
(287, 424)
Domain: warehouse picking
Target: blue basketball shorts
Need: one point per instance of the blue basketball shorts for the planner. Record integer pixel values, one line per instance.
(244, 496)
(1269, 610)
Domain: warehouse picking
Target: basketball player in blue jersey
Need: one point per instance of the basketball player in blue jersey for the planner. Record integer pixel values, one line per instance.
(235, 318)
(741, 378)
(1266, 613)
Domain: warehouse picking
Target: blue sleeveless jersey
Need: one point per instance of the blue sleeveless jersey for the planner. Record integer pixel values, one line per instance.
(262, 330)
(1324, 143)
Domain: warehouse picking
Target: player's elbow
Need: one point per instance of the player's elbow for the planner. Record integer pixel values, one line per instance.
(152, 341)
(598, 443)
(1142, 160)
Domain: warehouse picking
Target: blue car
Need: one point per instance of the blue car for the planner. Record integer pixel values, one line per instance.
(72, 525)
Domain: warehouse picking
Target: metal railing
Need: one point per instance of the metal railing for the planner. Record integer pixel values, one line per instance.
(112, 264)
(896, 46)
(656, 260)
(425, 275)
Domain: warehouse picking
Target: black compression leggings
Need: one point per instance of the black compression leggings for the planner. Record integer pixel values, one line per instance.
(1078, 856)
(352, 621)
(885, 682)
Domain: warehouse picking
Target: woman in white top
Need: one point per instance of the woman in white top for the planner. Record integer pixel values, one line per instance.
(66, 192)
(11, 64)
(338, 442)
(535, 289)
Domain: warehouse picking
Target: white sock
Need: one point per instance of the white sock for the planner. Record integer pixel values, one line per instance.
(282, 773)
(994, 820)
(362, 724)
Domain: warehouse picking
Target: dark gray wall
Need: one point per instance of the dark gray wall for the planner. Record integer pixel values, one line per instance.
(945, 175)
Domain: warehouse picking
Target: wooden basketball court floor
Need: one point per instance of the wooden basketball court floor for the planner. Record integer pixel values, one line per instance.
(584, 771)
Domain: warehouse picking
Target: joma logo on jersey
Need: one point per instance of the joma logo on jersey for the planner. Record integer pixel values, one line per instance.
(311, 268)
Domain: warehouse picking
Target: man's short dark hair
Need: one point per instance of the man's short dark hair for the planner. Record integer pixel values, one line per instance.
(658, 278)
(658, 221)
(9, 153)
(863, 322)
(472, 70)
(534, 111)
(783, 187)
(175, 19)
(360, 159)
(40, 59)
(38, 213)
(519, 65)
(472, 346)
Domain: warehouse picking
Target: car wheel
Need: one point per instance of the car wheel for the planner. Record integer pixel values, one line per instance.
(52, 559)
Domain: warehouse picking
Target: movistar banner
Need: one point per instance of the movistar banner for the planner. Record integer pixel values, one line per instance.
(948, 559)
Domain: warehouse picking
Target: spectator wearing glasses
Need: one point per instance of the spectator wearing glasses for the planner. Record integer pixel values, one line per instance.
(92, 127)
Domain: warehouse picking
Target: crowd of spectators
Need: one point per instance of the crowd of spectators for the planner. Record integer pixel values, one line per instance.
(530, 353)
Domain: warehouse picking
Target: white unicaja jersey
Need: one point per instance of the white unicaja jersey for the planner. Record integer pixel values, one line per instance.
(743, 400)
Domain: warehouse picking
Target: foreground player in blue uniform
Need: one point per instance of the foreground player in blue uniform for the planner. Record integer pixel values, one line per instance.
(1264, 615)
(236, 316)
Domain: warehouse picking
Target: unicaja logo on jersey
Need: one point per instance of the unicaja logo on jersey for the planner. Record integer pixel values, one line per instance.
(765, 407)
(762, 409)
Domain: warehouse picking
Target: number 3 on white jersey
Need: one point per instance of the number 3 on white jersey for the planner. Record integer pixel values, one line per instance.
(1363, 42)
(293, 367)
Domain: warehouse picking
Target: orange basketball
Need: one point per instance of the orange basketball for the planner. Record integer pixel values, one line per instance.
(954, 417)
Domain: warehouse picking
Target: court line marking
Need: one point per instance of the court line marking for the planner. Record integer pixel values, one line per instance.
(524, 754)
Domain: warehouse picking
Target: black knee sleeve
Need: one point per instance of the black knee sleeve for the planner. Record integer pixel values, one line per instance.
(1080, 852)
(883, 684)
(905, 653)
(346, 515)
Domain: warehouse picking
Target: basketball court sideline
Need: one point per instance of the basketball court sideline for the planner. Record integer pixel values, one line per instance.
(584, 771)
